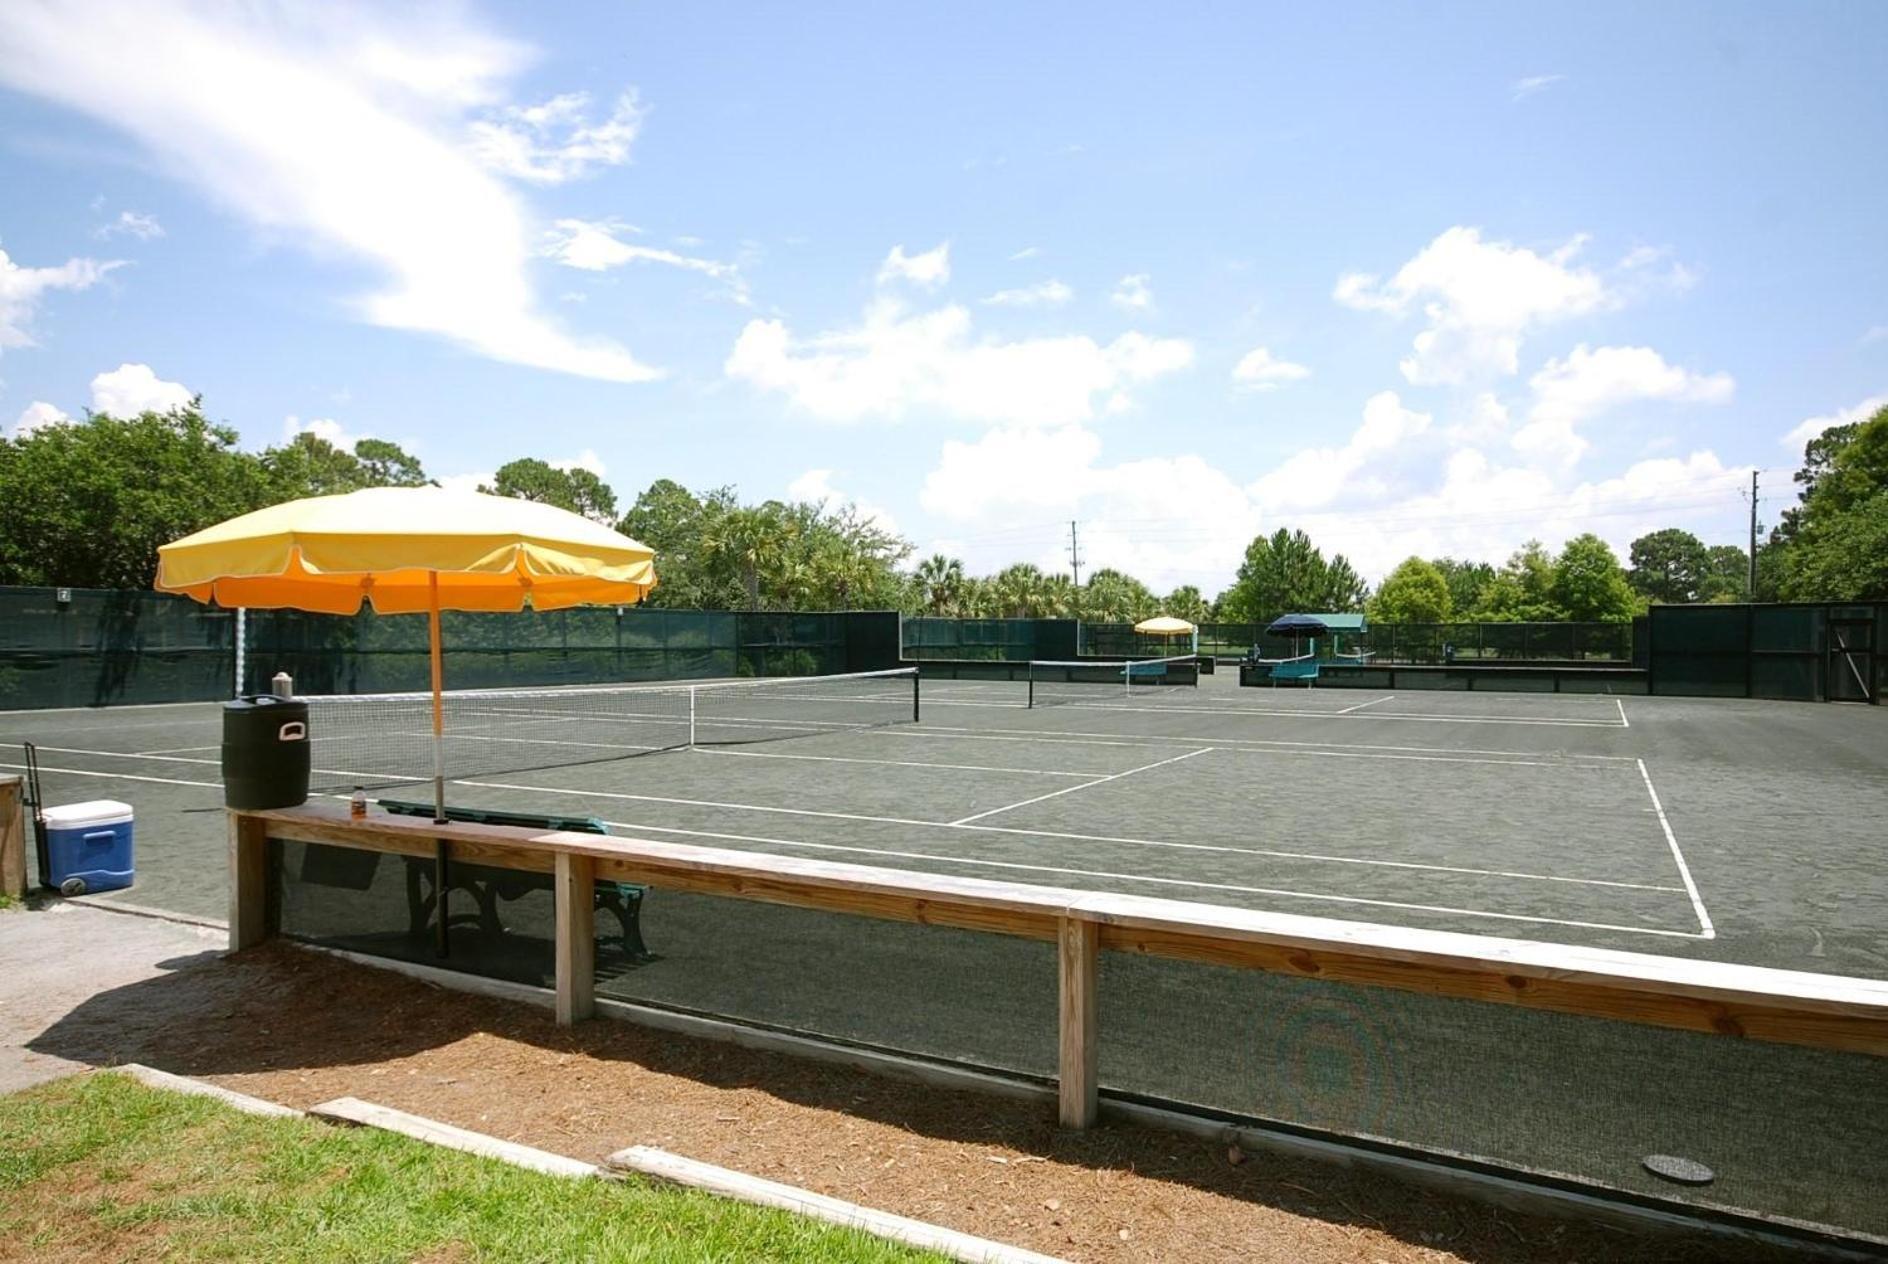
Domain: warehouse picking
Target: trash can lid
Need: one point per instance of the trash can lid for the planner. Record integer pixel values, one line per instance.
(79, 815)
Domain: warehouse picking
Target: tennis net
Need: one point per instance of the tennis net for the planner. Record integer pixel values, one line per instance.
(387, 739)
(1101, 680)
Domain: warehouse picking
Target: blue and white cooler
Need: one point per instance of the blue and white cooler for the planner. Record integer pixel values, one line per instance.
(88, 846)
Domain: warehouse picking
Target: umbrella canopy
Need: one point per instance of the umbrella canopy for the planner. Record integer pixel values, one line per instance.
(1164, 625)
(408, 550)
(392, 545)
(1298, 625)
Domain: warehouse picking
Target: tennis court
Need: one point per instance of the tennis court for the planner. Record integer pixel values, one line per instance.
(1733, 830)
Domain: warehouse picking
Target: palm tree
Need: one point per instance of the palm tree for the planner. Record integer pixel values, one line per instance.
(941, 581)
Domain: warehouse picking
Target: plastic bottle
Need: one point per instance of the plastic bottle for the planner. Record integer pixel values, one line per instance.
(357, 806)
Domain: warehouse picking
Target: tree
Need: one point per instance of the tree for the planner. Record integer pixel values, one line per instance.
(1828, 549)
(1726, 574)
(88, 504)
(940, 583)
(1522, 590)
(308, 465)
(1589, 584)
(1466, 581)
(1669, 566)
(1415, 592)
(1186, 602)
(575, 489)
(1285, 572)
(1111, 596)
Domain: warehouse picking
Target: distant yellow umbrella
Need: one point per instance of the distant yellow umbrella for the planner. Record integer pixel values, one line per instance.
(408, 550)
(1167, 625)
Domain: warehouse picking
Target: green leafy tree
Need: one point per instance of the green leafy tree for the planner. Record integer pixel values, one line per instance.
(1112, 596)
(1285, 572)
(1466, 581)
(575, 489)
(1827, 548)
(88, 504)
(308, 465)
(1669, 566)
(1590, 585)
(1415, 592)
(1726, 574)
(1522, 591)
(1187, 602)
(387, 464)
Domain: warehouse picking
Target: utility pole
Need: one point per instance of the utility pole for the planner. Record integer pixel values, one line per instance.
(1750, 587)
(1075, 555)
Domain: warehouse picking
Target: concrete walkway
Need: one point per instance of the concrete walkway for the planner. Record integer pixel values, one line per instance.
(55, 959)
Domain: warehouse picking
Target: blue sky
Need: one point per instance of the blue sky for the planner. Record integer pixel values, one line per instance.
(1416, 280)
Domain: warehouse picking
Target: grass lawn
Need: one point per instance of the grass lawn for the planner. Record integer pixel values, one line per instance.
(101, 1167)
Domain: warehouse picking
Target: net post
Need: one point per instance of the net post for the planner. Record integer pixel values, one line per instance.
(1078, 943)
(914, 695)
(576, 938)
(691, 716)
(242, 633)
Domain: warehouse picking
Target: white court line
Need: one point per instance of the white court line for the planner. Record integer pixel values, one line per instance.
(1166, 844)
(1624, 723)
(1388, 697)
(1115, 776)
(1419, 717)
(634, 826)
(1083, 738)
(888, 763)
(180, 759)
(120, 776)
(1705, 930)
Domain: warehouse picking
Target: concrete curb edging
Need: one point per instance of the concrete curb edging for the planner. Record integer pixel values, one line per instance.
(154, 1078)
(673, 1168)
(352, 1110)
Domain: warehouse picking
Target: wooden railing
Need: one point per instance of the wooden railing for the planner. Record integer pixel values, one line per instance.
(12, 838)
(1750, 1002)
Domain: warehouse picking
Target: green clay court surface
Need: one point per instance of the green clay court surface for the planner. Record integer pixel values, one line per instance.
(1735, 830)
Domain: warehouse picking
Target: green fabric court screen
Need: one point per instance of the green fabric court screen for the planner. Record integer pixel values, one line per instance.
(993, 640)
(87, 647)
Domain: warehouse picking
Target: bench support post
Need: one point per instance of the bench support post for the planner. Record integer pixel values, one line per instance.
(248, 881)
(1078, 943)
(576, 884)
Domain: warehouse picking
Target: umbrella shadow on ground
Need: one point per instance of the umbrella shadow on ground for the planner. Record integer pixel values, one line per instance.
(299, 1027)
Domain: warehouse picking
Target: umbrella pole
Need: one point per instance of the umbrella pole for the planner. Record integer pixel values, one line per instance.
(439, 705)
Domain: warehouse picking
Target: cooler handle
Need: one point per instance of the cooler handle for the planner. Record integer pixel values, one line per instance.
(97, 834)
(293, 731)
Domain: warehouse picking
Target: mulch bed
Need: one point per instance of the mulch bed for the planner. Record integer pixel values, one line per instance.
(298, 1028)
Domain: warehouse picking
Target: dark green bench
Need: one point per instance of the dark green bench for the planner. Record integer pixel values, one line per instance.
(623, 900)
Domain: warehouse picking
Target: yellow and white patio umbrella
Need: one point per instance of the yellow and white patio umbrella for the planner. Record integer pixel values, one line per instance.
(1167, 625)
(408, 550)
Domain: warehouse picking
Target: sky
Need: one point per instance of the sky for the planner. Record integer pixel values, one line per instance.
(1414, 279)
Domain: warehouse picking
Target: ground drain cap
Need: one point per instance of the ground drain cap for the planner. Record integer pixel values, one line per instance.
(1682, 1171)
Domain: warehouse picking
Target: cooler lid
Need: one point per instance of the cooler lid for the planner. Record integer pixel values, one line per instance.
(81, 815)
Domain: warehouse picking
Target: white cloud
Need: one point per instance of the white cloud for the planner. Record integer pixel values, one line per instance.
(324, 428)
(1487, 420)
(1479, 298)
(1050, 293)
(1027, 252)
(585, 460)
(131, 389)
(1810, 427)
(896, 362)
(468, 482)
(132, 224)
(1260, 370)
(1522, 89)
(1316, 476)
(553, 142)
(1131, 293)
(37, 416)
(928, 270)
(338, 130)
(817, 487)
(22, 288)
(1875, 333)
(595, 247)
(1589, 382)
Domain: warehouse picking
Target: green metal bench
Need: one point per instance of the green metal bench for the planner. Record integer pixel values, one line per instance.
(623, 900)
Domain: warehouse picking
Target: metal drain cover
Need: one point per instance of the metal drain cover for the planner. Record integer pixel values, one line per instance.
(1681, 1171)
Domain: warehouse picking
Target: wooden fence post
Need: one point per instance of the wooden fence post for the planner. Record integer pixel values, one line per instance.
(12, 838)
(576, 884)
(1078, 942)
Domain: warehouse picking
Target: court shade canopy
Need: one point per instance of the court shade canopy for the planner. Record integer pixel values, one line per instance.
(1165, 625)
(408, 550)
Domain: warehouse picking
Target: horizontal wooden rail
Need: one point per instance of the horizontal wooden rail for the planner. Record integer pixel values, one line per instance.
(1756, 1002)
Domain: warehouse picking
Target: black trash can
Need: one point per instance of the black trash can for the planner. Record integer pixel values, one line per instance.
(265, 752)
